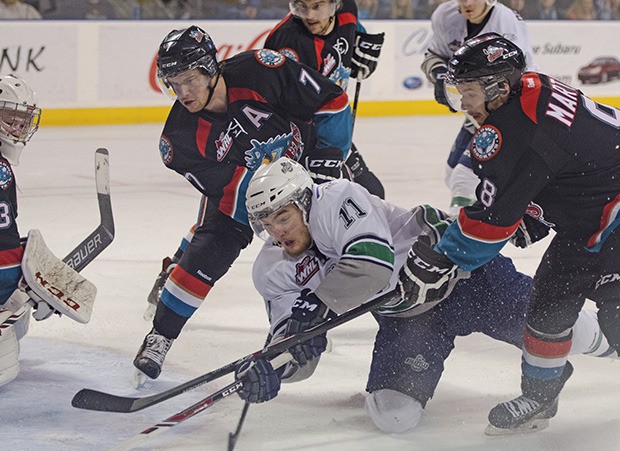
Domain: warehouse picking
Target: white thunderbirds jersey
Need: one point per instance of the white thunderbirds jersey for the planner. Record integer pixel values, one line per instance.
(450, 30)
(360, 243)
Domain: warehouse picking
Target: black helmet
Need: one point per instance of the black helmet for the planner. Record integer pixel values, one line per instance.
(183, 50)
(489, 59)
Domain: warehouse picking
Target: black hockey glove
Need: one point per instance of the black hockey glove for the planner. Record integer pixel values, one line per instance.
(529, 231)
(260, 381)
(324, 165)
(439, 75)
(308, 311)
(427, 275)
(365, 54)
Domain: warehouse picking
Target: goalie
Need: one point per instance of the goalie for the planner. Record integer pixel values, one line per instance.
(30, 275)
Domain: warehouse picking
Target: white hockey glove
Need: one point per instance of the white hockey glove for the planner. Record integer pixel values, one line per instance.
(366, 53)
(438, 74)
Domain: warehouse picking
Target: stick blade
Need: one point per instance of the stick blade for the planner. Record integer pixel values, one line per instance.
(104, 402)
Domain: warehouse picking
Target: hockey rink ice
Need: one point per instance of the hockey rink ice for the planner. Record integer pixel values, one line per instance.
(153, 208)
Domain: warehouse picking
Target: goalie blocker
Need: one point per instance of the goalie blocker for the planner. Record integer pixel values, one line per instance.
(51, 281)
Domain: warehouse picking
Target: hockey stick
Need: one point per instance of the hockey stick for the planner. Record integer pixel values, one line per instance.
(107, 402)
(195, 409)
(232, 437)
(358, 87)
(93, 244)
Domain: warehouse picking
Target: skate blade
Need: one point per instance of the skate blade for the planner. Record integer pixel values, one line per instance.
(149, 314)
(138, 378)
(535, 425)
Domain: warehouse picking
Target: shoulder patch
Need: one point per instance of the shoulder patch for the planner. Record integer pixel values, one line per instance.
(6, 175)
(289, 53)
(165, 149)
(486, 143)
(269, 58)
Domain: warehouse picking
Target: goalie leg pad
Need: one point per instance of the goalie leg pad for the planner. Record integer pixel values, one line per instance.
(9, 353)
(55, 282)
(392, 411)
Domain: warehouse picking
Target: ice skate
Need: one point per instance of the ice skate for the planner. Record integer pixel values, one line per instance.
(152, 353)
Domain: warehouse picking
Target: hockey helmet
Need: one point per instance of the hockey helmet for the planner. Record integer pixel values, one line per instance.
(19, 116)
(273, 187)
(183, 50)
(487, 59)
(301, 8)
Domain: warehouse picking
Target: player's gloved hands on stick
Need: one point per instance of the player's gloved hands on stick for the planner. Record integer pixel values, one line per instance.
(325, 164)
(260, 381)
(308, 311)
(529, 231)
(366, 54)
(439, 75)
(427, 275)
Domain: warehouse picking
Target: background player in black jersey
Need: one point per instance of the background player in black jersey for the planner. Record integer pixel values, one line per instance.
(546, 151)
(326, 35)
(230, 117)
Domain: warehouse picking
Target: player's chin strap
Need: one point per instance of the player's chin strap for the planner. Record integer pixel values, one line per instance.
(212, 89)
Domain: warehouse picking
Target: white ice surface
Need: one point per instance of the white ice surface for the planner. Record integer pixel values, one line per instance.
(153, 208)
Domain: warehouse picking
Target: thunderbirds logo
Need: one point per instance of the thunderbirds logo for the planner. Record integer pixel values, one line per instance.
(305, 269)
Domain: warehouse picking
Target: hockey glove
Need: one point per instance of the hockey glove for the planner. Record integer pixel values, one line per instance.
(439, 75)
(324, 165)
(260, 381)
(529, 231)
(427, 275)
(308, 311)
(365, 54)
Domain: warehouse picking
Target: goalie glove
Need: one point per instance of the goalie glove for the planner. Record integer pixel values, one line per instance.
(529, 231)
(366, 54)
(427, 276)
(307, 311)
(438, 74)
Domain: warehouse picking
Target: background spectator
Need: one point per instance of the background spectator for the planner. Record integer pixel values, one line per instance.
(581, 10)
(544, 10)
(402, 9)
(367, 9)
(602, 9)
(16, 9)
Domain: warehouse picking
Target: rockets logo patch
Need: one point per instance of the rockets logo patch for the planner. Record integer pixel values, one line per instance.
(165, 149)
(6, 175)
(269, 58)
(486, 143)
(289, 53)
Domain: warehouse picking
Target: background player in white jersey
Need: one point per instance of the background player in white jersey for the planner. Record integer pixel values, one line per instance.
(331, 247)
(453, 23)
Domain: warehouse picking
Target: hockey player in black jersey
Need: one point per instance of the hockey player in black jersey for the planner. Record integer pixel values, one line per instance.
(327, 36)
(229, 118)
(547, 152)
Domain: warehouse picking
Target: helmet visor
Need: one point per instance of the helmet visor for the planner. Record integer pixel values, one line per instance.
(315, 9)
(19, 122)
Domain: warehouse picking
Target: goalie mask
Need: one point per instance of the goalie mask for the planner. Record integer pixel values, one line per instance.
(184, 50)
(273, 187)
(477, 70)
(19, 116)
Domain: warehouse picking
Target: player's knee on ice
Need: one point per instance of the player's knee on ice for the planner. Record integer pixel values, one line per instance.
(392, 411)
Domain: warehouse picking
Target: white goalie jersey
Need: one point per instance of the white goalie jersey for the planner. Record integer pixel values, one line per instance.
(360, 243)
